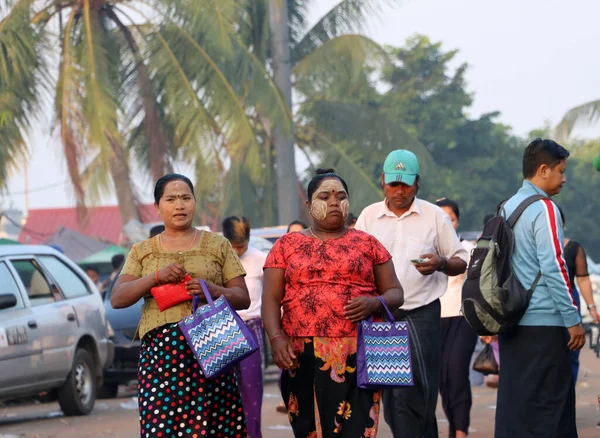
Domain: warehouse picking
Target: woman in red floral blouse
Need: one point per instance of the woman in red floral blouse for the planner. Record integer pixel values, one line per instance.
(327, 279)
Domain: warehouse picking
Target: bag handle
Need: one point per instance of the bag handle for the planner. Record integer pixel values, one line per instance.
(196, 300)
(514, 217)
(387, 312)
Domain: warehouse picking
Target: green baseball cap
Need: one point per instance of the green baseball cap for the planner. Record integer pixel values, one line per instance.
(401, 166)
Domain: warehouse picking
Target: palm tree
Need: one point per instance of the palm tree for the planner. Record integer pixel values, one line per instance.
(587, 113)
(141, 82)
(287, 194)
(330, 54)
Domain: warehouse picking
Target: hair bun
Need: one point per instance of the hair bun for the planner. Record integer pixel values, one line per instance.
(324, 171)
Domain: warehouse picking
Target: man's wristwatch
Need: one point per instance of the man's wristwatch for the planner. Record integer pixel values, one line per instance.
(444, 265)
(591, 306)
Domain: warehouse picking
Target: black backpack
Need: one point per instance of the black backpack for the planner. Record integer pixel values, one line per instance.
(493, 299)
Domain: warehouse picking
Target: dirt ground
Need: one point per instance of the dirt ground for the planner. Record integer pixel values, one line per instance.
(118, 417)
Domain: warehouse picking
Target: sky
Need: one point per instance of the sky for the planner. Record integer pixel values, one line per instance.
(531, 60)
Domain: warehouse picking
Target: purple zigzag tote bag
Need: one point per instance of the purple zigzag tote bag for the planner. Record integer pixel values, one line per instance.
(383, 353)
(216, 334)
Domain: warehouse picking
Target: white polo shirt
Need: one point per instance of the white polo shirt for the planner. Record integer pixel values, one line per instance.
(253, 261)
(423, 229)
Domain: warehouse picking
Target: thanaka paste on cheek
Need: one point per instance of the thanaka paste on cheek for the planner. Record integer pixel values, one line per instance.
(318, 209)
(345, 206)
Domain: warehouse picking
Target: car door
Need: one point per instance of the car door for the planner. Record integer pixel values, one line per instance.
(86, 302)
(20, 343)
(52, 317)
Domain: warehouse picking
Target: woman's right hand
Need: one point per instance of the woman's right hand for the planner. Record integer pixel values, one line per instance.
(283, 353)
(172, 273)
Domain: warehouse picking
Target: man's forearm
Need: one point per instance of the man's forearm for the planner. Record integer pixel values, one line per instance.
(455, 266)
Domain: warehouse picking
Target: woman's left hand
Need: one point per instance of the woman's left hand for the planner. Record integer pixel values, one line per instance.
(361, 308)
(193, 288)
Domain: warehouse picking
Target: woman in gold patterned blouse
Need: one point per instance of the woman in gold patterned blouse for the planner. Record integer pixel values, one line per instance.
(175, 399)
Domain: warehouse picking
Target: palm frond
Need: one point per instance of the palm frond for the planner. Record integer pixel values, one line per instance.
(366, 179)
(219, 94)
(22, 74)
(209, 21)
(97, 180)
(586, 114)
(69, 112)
(99, 70)
(298, 18)
(364, 128)
(345, 58)
(348, 16)
(140, 93)
(251, 79)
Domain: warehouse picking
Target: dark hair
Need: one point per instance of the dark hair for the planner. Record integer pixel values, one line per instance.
(540, 152)
(156, 229)
(321, 175)
(445, 202)
(302, 224)
(236, 229)
(159, 188)
(117, 260)
(92, 268)
(562, 215)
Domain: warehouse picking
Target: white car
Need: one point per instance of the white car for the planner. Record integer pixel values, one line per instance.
(54, 335)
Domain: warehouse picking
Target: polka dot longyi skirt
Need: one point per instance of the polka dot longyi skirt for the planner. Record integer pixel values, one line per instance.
(176, 399)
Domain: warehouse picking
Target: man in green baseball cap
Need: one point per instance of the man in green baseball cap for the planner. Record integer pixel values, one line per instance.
(425, 250)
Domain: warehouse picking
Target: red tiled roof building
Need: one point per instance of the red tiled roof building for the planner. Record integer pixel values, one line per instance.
(104, 223)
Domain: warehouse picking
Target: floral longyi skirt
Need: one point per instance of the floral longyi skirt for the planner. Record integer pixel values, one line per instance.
(176, 399)
(336, 407)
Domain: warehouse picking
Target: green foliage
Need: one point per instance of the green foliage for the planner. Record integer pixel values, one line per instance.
(423, 107)
(579, 201)
(22, 74)
(180, 84)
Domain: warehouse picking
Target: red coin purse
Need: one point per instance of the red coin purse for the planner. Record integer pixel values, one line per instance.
(170, 294)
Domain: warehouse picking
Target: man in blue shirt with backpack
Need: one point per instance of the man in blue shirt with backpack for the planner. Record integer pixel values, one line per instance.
(536, 393)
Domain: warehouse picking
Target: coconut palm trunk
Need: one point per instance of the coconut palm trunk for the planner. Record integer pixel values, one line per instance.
(287, 192)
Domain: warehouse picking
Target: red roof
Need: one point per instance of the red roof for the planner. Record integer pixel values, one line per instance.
(104, 223)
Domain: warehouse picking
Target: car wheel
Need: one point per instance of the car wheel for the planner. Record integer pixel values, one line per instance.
(78, 394)
(108, 390)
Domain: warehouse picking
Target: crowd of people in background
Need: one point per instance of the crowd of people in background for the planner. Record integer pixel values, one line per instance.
(305, 297)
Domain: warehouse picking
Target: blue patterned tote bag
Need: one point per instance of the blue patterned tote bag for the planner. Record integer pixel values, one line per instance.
(216, 334)
(383, 353)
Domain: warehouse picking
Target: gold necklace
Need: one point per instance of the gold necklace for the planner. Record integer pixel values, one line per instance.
(191, 243)
(310, 229)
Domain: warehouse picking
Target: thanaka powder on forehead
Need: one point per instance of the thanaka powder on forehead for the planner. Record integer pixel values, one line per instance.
(178, 189)
(329, 185)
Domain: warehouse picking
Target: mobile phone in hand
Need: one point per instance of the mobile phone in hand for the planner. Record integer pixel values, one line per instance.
(419, 260)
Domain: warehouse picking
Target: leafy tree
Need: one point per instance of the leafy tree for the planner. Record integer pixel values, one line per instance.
(320, 55)
(577, 196)
(143, 81)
